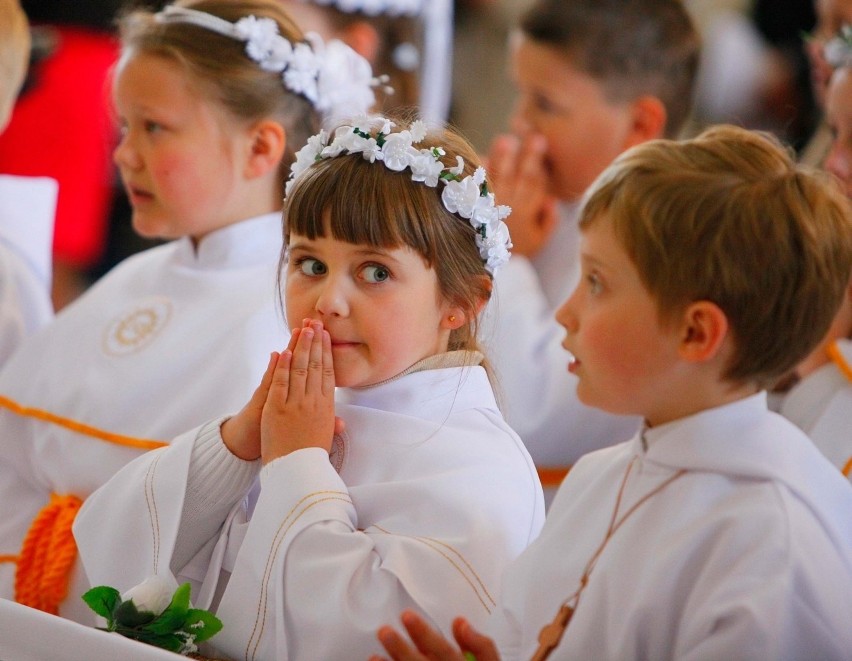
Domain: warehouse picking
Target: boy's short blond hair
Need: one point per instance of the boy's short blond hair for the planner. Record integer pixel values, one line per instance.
(731, 218)
(14, 54)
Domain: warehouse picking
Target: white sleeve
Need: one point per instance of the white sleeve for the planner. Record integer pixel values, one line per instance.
(160, 508)
(524, 342)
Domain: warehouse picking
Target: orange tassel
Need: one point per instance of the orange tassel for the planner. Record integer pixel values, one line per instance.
(47, 556)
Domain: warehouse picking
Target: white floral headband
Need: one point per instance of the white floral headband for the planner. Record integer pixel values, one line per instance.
(333, 77)
(375, 7)
(467, 197)
(838, 50)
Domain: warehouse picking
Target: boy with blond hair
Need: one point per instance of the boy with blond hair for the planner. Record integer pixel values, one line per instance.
(594, 78)
(709, 268)
(27, 206)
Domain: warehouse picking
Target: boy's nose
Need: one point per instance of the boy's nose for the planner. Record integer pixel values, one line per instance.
(566, 315)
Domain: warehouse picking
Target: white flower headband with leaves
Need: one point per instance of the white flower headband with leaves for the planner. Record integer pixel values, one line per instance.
(375, 7)
(333, 77)
(838, 49)
(468, 197)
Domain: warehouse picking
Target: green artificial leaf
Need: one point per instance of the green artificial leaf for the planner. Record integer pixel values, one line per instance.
(202, 624)
(127, 615)
(175, 614)
(180, 600)
(103, 600)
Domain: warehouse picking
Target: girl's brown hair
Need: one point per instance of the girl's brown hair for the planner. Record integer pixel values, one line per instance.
(220, 67)
(366, 203)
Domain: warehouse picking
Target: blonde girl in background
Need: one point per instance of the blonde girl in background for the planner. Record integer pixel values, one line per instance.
(310, 517)
(213, 97)
(408, 41)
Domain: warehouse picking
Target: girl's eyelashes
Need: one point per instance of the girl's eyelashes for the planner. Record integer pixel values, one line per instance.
(595, 284)
(375, 273)
(310, 266)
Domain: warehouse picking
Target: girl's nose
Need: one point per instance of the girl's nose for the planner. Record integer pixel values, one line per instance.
(125, 155)
(333, 300)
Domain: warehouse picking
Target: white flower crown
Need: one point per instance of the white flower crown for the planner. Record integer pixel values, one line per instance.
(838, 50)
(375, 7)
(332, 76)
(467, 197)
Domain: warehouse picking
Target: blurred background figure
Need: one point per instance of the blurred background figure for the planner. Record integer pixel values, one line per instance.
(27, 206)
(61, 128)
(410, 41)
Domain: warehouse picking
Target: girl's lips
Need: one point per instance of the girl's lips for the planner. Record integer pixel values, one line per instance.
(137, 195)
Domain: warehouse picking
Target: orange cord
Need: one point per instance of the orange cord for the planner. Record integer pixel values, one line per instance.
(79, 427)
(47, 556)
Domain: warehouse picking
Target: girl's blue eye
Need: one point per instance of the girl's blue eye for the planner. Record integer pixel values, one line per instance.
(374, 273)
(312, 267)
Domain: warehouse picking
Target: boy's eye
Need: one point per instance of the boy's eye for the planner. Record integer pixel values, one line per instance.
(152, 127)
(595, 285)
(312, 267)
(375, 273)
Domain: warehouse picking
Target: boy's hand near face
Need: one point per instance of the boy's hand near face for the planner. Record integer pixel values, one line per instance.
(519, 178)
(428, 644)
(299, 409)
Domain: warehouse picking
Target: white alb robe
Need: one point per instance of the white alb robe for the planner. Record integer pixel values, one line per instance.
(169, 338)
(27, 212)
(746, 556)
(821, 406)
(524, 340)
(424, 501)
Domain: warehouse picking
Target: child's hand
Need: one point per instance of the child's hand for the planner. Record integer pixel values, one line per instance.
(430, 644)
(241, 433)
(299, 409)
(518, 177)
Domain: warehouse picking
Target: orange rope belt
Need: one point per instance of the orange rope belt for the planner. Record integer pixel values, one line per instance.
(551, 477)
(48, 552)
(47, 556)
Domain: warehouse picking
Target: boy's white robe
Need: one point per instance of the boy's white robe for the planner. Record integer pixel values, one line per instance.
(524, 342)
(435, 496)
(168, 339)
(747, 556)
(821, 405)
(27, 211)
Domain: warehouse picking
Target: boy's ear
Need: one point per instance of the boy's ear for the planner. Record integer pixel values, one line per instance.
(703, 332)
(649, 118)
(266, 147)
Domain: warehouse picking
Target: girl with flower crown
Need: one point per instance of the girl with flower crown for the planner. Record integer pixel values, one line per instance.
(371, 469)
(214, 97)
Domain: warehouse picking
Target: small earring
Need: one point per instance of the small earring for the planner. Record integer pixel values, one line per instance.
(452, 318)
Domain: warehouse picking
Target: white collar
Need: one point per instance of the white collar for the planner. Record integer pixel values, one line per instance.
(245, 243)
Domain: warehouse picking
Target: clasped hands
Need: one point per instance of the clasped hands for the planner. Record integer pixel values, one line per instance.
(293, 407)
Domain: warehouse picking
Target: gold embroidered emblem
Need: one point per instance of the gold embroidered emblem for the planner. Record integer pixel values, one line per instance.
(137, 326)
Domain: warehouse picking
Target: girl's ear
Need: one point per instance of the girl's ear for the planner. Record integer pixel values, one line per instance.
(267, 140)
(703, 332)
(455, 315)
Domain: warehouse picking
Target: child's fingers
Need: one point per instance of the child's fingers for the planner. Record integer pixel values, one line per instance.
(502, 157)
(427, 640)
(315, 376)
(294, 337)
(262, 391)
(397, 647)
(281, 376)
(468, 638)
(531, 159)
(327, 365)
(298, 376)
